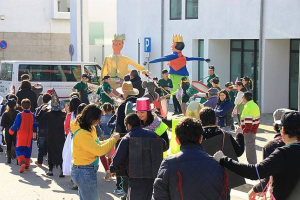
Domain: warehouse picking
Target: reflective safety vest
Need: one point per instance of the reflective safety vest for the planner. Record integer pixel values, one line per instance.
(174, 146)
(159, 131)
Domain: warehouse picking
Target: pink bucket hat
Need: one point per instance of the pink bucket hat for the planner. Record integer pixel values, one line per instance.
(143, 104)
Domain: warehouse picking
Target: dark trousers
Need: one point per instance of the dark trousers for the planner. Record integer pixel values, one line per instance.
(42, 147)
(10, 140)
(140, 189)
(176, 104)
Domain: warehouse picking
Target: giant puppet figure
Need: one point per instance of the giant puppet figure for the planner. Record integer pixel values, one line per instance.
(116, 64)
(177, 61)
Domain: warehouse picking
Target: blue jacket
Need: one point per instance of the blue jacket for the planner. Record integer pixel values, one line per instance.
(202, 176)
(121, 156)
(211, 102)
(223, 112)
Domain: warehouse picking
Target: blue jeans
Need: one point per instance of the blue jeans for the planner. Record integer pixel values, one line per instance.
(85, 177)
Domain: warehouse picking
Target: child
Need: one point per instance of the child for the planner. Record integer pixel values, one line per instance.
(185, 84)
(167, 87)
(55, 134)
(105, 91)
(74, 103)
(107, 110)
(24, 124)
(43, 128)
(7, 121)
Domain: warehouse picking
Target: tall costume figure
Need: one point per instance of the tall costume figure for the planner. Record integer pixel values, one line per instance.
(116, 65)
(177, 61)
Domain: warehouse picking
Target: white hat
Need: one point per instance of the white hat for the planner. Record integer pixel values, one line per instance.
(278, 114)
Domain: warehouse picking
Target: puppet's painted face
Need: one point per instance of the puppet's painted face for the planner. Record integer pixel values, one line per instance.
(117, 46)
(173, 47)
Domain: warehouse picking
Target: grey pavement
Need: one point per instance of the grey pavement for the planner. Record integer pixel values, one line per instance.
(34, 184)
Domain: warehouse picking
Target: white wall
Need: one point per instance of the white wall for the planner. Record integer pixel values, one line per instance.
(275, 81)
(34, 16)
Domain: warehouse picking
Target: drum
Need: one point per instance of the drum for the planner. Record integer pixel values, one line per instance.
(191, 91)
(201, 87)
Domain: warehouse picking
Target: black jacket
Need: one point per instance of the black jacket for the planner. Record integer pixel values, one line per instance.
(283, 164)
(120, 127)
(202, 176)
(40, 117)
(137, 83)
(7, 121)
(238, 143)
(29, 94)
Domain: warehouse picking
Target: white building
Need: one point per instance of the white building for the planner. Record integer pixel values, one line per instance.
(228, 33)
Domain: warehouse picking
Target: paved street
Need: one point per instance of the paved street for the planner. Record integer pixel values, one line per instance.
(35, 184)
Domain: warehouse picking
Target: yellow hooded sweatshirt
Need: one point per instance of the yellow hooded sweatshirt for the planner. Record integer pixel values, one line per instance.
(85, 148)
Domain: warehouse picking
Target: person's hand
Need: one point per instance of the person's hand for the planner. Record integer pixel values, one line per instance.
(146, 63)
(207, 60)
(44, 107)
(218, 155)
(112, 174)
(238, 130)
(251, 194)
(116, 136)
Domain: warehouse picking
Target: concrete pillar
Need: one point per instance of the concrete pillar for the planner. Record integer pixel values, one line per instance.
(299, 84)
(79, 33)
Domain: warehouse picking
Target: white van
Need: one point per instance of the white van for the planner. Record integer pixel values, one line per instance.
(60, 75)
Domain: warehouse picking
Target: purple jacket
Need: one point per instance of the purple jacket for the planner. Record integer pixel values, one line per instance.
(211, 102)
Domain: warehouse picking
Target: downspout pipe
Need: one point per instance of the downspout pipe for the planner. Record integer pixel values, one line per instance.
(261, 38)
(81, 29)
(162, 32)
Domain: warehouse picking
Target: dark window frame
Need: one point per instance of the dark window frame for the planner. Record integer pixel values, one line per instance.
(186, 17)
(199, 55)
(170, 9)
(290, 71)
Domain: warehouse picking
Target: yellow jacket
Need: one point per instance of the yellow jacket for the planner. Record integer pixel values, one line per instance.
(85, 148)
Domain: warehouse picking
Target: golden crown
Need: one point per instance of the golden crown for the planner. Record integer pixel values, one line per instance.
(177, 38)
(120, 37)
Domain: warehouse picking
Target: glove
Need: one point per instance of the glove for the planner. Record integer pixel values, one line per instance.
(207, 60)
(218, 155)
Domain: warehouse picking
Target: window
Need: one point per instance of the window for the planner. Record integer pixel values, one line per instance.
(63, 5)
(191, 9)
(94, 72)
(6, 71)
(294, 74)
(175, 9)
(60, 9)
(53, 73)
(244, 62)
(201, 64)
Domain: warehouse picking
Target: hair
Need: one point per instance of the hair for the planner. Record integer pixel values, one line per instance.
(133, 120)
(224, 92)
(276, 128)
(248, 80)
(74, 103)
(107, 107)
(179, 46)
(248, 96)
(13, 96)
(239, 83)
(46, 98)
(10, 110)
(164, 71)
(26, 104)
(150, 119)
(25, 77)
(25, 85)
(207, 116)
(89, 115)
(74, 94)
(134, 73)
(80, 108)
(127, 77)
(292, 126)
(189, 130)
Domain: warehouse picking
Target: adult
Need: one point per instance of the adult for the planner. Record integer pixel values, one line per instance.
(139, 188)
(7, 121)
(26, 92)
(250, 119)
(150, 120)
(184, 175)
(43, 128)
(224, 110)
(232, 93)
(238, 102)
(212, 75)
(116, 64)
(283, 164)
(216, 83)
(248, 83)
(82, 88)
(86, 151)
(137, 82)
(212, 98)
(37, 87)
(55, 118)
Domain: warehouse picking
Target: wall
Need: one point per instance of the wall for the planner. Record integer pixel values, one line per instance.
(275, 81)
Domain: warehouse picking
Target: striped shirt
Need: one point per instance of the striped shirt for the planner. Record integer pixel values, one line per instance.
(250, 117)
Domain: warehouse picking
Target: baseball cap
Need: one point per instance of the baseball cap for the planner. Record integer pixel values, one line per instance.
(229, 85)
(290, 121)
(85, 76)
(216, 80)
(106, 77)
(211, 67)
(278, 114)
(213, 91)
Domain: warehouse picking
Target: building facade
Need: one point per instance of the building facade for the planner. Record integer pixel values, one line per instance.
(236, 35)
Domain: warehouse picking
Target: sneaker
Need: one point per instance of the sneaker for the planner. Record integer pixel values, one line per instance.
(107, 176)
(75, 187)
(119, 192)
(61, 174)
(22, 168)
(175, 113)
(49, 173)
(38, 164)
(27, 168)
